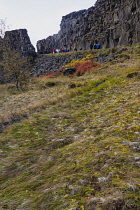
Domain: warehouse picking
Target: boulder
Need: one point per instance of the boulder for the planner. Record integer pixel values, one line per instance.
(68, 71)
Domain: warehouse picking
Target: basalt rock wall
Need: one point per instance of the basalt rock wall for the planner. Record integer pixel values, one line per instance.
(52, 63)
(111, 23)
(19, 40)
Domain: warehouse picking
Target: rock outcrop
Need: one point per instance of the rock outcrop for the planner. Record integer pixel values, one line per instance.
(19, 41)
(52, 63)
(110, 23)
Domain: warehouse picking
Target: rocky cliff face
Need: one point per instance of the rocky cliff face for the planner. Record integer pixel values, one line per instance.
(110, 22)
(52, 63)
(16, 40)
(19, 41)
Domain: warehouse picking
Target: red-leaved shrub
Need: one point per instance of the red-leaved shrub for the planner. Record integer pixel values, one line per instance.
(81, 67)
(85, 66)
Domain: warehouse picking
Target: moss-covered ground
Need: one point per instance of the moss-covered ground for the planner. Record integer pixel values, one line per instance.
(77, 149)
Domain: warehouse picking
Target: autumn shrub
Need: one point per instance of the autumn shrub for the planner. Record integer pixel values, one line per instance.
(81, 67)
(51, 75)
(86, 66)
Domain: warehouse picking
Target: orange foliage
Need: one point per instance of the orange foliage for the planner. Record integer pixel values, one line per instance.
(85, 66)
(54, 74)
(51, 75)
(81, 67)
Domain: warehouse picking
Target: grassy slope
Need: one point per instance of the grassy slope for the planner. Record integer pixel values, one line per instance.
(82, 152)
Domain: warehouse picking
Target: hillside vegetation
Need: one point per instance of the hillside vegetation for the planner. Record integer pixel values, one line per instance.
(74, 149)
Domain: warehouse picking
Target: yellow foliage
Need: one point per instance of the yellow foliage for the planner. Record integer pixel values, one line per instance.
(65, 196)
(82, 207)
(78, 62)
(73, 200)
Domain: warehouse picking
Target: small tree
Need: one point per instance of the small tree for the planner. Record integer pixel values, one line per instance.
(16, 68)
(2, 33)
(3, 27)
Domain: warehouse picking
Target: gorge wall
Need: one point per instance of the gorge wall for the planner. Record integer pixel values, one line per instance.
(19, 41)
(111, 23)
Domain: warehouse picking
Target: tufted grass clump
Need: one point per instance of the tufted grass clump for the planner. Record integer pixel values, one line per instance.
(123, 56)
